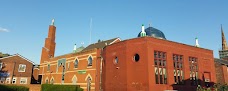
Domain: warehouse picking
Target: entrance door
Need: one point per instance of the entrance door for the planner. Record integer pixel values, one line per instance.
(207, 79)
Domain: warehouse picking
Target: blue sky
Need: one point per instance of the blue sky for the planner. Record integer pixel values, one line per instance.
(24, 23)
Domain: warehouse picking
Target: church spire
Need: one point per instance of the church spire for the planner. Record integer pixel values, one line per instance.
(224, 44)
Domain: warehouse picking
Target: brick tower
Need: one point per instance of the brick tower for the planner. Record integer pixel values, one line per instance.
(48, 50)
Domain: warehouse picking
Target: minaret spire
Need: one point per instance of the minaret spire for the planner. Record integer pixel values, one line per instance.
(224, 44)
(48, 50)
(53, 22)
(75, 48)
(197, 42)
(143, 33)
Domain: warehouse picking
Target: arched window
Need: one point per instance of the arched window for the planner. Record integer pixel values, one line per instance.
(74, 80)
(52, 80)
(89, 84)
(46, 81)
(48, 67)
(76, 63)
(90, 61)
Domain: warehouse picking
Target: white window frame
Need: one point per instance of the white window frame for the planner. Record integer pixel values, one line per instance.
(2, 79)
(227, 69)
(75, 62)
(20, 65)
(68, 66)
(23, 79)
(46, 81)
(1, 65)
(74, 80)
(52, 80)
(89, 83)
(15, 80)
(8, 80)
(48, 67)
(89, 65)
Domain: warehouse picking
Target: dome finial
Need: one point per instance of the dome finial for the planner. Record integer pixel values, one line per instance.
(150, 24)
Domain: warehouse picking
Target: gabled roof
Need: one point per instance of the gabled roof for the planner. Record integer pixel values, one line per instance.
(18, 56)
(101, 44)
(221, 61)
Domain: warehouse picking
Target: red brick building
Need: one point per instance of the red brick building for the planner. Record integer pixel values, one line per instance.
(221, 67)
(81, 67)
(152, 63)
(16, 69)
(147, 63)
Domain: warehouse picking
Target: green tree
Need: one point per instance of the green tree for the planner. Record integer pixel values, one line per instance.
(4, 55)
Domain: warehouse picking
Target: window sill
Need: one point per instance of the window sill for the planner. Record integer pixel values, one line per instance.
(21, 71)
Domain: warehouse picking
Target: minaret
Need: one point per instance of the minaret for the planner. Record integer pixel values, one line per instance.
(143, 33)
(224, 44)
(197, 42)
(48, 50)
(75, 48)
(53, 22)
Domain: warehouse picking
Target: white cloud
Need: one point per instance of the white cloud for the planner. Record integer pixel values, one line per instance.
(3, 29)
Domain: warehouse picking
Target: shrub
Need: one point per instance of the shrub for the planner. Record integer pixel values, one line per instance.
(221, 87)
(51, 87)
(215, 87)
(13, 88)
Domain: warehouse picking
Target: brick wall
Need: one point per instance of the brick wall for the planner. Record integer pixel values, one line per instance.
(129, 75)
(12, 67)
(34, 87)
(221, 73)
(56, 72)
(225, 73)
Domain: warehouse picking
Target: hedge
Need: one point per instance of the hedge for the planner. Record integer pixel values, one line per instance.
(13, 88)
(51, 87)
(215, 87)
